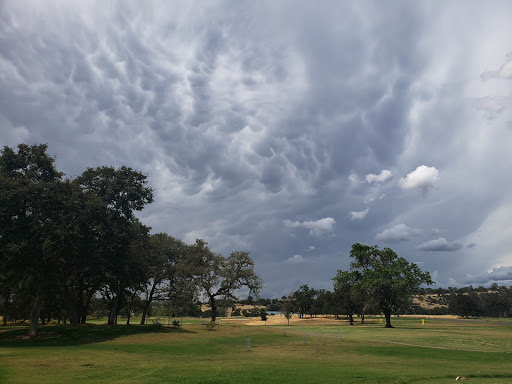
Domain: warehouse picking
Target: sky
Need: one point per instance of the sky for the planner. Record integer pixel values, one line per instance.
(288, 129)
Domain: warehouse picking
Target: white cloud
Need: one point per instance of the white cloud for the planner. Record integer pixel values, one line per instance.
(504, 72)
(296, 259)
(441, 245)
(311, 248)
(359, 215)
(380, 178)
(316, 228)
(422, 178)
(354, 178)
(398, 233)
(492, 105)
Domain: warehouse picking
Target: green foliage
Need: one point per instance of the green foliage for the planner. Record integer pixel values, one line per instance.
(466, 304)
(218, 276)
(263, 314)
(252, 312)
(385, 278)
(211, 326)
(303, 300)
(349, 293)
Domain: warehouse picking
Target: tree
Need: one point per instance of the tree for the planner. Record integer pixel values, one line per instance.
(303, 299)
(123, 190)
(218, 276)
(78, 240)
(288, 310)
(165, 252)
(466, 304)
(29, 213)
(388, 280)
(346, 290)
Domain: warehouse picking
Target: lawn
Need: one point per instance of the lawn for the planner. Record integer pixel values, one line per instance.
(309, 351)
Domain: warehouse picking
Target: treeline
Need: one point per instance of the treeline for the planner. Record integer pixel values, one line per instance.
(494, 301)
(378, 282)
(69, 246)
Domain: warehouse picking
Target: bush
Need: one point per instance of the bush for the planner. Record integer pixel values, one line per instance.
(251, 312)
(211, 326)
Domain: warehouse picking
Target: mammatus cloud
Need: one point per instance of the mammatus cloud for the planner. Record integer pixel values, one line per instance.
(398, 233)
(440, 245)
(380, 178)
(296, 259)
(505, 72)
(422, 178)
(233, 110)
(359, 215)
(501, 275)
(316, 228)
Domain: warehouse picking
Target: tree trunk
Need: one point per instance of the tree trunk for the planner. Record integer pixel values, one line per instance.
(6, 304)
(113, 310)
(387, 315)
(129, 315)
(362, 318)
(35, 313)
(351, 319)
(214, 308)
(85, 309)
(74, 318)
(148, 304)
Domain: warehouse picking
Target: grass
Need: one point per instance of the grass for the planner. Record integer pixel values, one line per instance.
(411, 353)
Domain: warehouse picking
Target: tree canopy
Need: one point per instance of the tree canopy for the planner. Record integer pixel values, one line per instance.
(387, 279)
(219, 276)
(65, 242)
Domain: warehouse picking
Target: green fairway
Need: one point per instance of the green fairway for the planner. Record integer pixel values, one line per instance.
(437, 352)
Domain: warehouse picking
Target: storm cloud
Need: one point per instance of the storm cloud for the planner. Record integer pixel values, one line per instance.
(281, 127)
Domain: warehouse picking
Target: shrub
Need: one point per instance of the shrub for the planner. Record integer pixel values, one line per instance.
(211, 326)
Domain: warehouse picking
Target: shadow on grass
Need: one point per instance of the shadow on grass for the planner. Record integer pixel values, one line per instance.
(66, 335)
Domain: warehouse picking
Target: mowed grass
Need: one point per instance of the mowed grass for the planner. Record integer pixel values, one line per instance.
(437, 352)
(468, 335)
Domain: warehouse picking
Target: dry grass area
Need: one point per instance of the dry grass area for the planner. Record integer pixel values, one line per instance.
(295, 320)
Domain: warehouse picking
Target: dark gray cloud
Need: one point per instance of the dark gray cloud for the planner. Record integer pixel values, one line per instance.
(248, 115)
(501, 275)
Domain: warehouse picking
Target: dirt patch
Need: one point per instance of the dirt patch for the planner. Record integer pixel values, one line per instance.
(282, 320)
